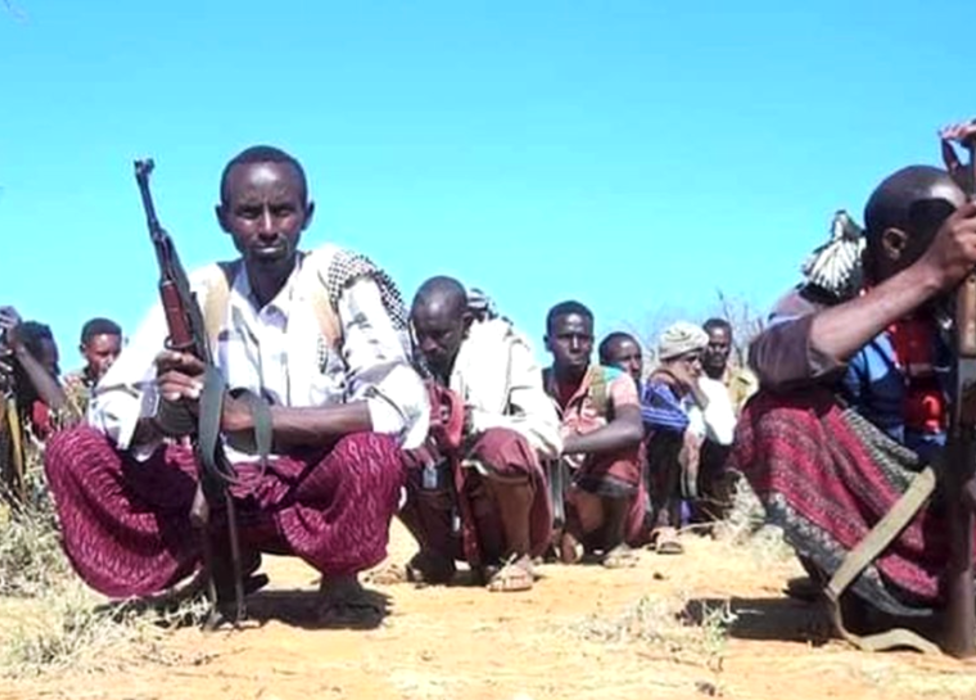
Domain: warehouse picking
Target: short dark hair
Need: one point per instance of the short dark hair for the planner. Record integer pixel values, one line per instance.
(614, 338)
(262, 154)
(715, 323)
(99, 326)
(442, 288)
(907, 200)
(33, 334)
(565, 308)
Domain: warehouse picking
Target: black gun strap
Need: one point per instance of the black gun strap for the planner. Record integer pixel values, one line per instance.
(263, 429)
(211, 411)
(220, 473)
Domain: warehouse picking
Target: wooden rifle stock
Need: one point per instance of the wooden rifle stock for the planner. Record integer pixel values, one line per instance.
(187, 333)
(959, 627)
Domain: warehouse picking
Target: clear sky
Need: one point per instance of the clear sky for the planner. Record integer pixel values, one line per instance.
(635, 155)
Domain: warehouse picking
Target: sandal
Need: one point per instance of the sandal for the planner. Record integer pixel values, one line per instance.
(620, 557)
(389, 575)
(514, 576)
(665, 541)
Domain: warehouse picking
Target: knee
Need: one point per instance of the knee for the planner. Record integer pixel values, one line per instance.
(367, 453)
(67, 450)
(504, 452)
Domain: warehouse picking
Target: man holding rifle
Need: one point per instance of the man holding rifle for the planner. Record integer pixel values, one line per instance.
(848, 436)
(319, 338)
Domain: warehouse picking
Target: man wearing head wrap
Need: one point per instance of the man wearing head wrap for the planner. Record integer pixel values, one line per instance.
(680, 412)
(854, 402)
(477, 491)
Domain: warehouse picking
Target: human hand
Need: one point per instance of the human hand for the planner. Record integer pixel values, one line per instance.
(179, 383)
(9, 326)
(179, 376)
(952, 254)
(962, 133)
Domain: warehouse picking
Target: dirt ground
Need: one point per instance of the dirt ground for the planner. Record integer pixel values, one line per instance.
(583, 632)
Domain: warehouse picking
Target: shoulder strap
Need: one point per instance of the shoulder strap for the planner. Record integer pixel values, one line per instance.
(599, 390)
(314, 281)
(218, 293)
(866, 551)
(313, 285)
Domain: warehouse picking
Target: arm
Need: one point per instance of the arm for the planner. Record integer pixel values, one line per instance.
(660, 410)
(296, 427)
(126, 396)
(385, 393)
(782, 355)
(45, 384)
(624, 432)
(840, 331)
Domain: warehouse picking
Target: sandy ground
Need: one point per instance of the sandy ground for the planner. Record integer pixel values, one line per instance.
(583, 632)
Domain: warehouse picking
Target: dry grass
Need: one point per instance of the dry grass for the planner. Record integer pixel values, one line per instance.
(664, 625)
(31, 560)
(53, 621)
(745, 529)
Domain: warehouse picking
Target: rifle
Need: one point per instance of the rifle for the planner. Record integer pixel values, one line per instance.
(14, 488)
(959, 476)
(187, 333)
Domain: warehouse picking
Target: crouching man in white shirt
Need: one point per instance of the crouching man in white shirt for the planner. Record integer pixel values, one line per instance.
(321, 338)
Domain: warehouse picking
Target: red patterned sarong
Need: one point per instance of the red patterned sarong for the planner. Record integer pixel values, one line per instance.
(505, 455)
(827, 476)
(126, 528)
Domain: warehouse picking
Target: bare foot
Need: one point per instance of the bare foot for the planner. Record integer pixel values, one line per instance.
(345, 602)
(514, 576)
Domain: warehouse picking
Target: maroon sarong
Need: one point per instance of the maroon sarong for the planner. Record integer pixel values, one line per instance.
(505, 454)
(827, 476)
(126, 528)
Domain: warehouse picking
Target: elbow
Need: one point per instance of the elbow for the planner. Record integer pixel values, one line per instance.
(633, 434)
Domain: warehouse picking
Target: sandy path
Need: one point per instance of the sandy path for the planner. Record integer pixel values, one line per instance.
(547, 644)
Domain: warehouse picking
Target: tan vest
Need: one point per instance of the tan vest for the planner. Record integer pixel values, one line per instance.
(312, 287)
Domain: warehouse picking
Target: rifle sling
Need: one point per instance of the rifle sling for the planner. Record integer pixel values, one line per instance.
(211, 411)
(866, 551)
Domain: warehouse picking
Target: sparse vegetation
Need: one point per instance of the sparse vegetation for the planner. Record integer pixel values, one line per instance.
(666, 624)
(61, 623)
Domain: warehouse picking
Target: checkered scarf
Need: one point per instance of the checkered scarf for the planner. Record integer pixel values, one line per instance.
(347, 267)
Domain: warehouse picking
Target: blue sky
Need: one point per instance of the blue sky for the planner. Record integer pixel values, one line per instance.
(636, 155)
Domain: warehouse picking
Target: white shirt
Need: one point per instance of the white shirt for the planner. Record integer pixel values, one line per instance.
(278, 353)
(717, 421)
(496, 375)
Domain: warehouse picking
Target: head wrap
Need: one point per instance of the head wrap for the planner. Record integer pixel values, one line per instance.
(481, 306)
(680, 338)
(835, 266)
